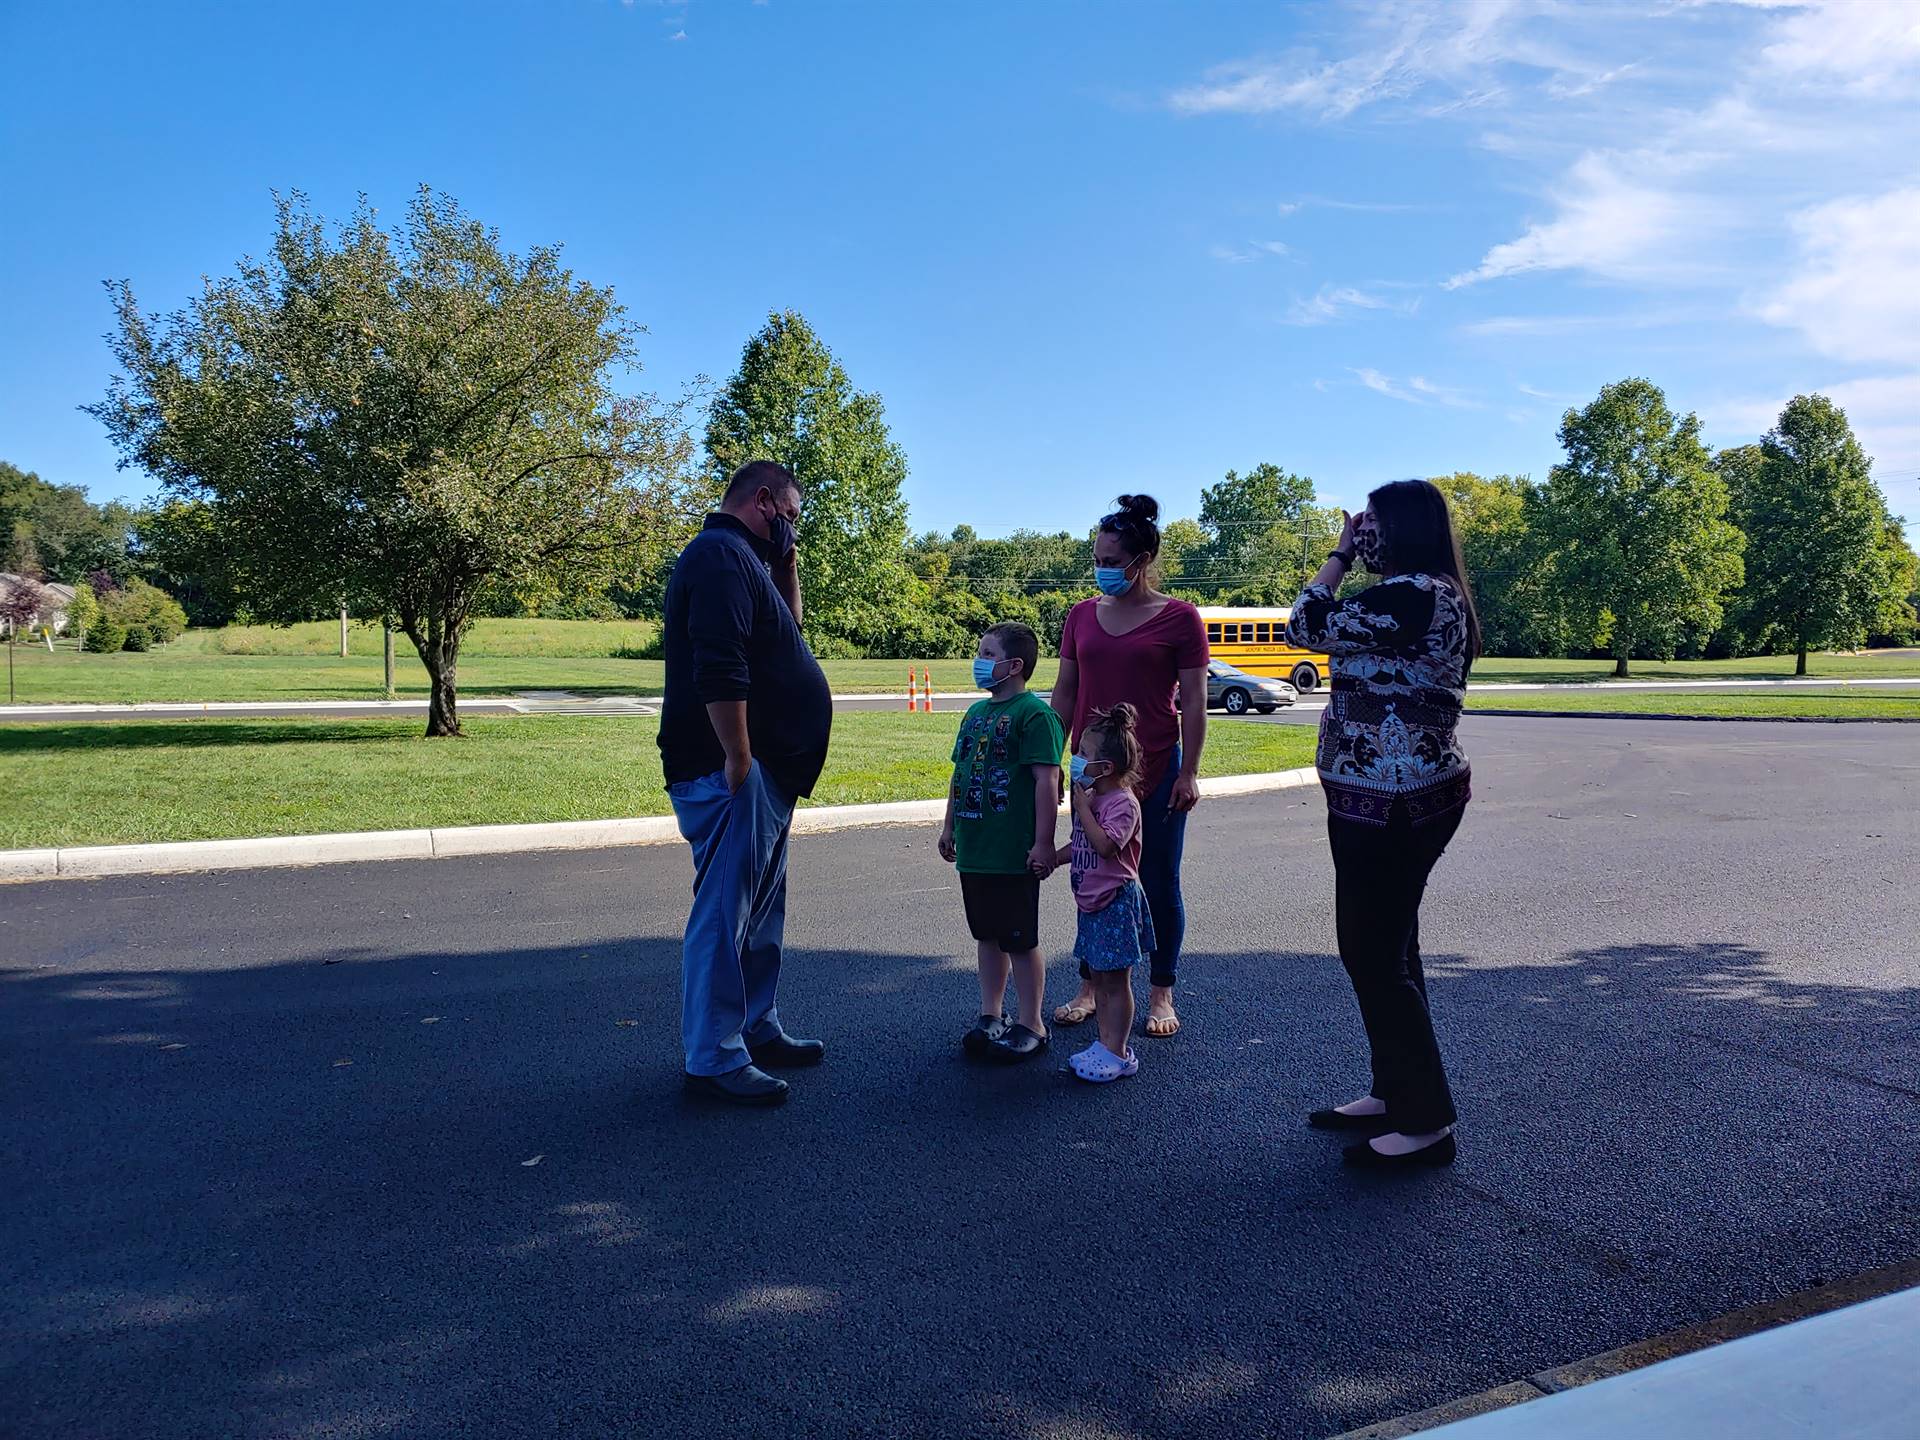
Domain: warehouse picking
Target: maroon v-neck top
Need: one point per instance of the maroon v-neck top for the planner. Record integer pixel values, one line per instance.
(1142, 668)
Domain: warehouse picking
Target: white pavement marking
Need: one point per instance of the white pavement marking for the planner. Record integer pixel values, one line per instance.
(92, 861)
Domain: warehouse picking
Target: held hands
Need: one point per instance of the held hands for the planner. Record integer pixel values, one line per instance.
(1041, 859)
(947, 850)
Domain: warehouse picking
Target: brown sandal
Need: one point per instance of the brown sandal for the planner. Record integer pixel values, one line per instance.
(1073, 1013)
(1162, 1026)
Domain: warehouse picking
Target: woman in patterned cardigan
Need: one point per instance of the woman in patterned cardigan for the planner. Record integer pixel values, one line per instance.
(1397, 785)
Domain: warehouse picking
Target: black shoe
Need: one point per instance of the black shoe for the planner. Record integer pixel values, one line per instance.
(746, 1086)
(1363, 1156)
(987, 1029)
(1334, 1120)
(1019, 1043)
(783, 1052)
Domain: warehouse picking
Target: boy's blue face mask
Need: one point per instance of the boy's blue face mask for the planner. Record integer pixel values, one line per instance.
(1112, 579)
(983, 675)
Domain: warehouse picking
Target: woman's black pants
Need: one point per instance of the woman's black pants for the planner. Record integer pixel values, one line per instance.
(1380, 873)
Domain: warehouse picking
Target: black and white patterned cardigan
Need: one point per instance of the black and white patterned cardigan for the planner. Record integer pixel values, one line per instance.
(1389, 737)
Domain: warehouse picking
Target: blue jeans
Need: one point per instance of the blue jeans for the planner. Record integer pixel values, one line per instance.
(730, 959)
(1163, 842)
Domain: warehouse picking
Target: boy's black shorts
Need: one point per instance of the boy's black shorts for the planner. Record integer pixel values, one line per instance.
(1003, 910)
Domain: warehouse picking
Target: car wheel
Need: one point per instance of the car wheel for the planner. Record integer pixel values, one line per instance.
(1266, 709)
(1235, 701)
(1305, 678)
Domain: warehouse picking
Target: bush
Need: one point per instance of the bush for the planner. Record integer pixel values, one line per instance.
(146, 608)
(106, 634)
(139, 637)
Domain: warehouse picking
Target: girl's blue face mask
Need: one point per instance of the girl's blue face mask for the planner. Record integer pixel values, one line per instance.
(983, 675)
(1112, 579)
(1080, 765)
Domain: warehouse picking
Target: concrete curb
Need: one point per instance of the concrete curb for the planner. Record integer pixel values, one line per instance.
(1733, 1325)
(1707, 719)
(93, 861)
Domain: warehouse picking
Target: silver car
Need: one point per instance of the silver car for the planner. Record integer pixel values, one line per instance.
(1237, 692)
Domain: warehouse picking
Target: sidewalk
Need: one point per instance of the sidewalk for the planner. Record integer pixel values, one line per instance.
(1846, 1374)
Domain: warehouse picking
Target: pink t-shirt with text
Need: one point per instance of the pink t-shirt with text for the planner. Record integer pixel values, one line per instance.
(1096, 878)
(1142, 668)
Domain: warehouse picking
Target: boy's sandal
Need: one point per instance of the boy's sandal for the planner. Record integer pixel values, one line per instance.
(1073, 1013)
(1161, 1026)
(1100, 1065)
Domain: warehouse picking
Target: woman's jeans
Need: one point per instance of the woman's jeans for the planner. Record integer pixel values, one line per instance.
(1380, 874)
(1163, 841)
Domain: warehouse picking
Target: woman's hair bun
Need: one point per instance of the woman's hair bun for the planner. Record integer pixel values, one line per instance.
(1143, 507)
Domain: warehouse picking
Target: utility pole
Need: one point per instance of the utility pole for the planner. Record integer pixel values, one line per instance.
(387, 654)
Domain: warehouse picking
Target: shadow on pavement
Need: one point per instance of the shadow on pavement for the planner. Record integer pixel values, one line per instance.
(458, 1193)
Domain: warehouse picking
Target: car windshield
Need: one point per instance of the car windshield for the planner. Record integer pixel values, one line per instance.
(1218, 667)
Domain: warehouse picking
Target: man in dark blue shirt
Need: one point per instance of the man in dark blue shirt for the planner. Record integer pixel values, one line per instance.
(743, 735)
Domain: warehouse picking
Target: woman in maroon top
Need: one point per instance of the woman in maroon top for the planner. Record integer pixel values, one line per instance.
(1138, 645)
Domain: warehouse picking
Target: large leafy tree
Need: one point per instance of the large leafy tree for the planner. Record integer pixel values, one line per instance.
(407, 424)
(791, 401)
(1265, 536)
(1493, 518)
(1818, 570)
(59, 528)
(1635, 520)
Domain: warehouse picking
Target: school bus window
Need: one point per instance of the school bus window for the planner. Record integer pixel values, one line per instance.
(1265, 632)
(1213, 634)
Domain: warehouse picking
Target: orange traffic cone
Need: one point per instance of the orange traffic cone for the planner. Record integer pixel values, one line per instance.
(910, 705)
(926, 692)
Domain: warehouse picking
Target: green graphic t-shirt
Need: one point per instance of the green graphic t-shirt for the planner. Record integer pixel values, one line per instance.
(999, 743)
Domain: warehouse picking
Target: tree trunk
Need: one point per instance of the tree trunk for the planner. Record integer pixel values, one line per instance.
(443, 716)
(439, 651)
(1619, 667)
(1800, 663)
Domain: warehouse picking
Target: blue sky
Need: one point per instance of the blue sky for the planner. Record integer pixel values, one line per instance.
(1080, 248)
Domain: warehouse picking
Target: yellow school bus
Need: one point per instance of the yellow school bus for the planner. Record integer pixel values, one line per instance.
(1255, 640)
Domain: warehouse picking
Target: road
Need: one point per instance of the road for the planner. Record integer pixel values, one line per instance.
(1674, 967)
(560, 702)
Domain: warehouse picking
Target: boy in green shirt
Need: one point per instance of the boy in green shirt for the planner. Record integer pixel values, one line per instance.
(1002, 809)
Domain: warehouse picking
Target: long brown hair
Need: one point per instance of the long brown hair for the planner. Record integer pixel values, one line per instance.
(1116, 742)
(1416, 538)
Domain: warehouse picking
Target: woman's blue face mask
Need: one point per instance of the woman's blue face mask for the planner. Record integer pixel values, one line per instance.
(1113, 579)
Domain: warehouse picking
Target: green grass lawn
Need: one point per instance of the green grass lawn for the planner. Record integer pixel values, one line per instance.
(1493, 669)
(1864, 704)
(88, 784)
(196, 668)
(506, 657)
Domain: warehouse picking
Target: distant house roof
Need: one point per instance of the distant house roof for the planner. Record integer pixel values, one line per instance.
(58, 596)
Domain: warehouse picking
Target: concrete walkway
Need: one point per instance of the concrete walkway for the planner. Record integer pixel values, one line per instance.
(1849, 1373)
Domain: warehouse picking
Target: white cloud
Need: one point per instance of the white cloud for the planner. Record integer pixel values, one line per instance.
(1867, 45)
(1249, 252)
(1330, 302)
(1415, 390)
(1608, 222)
(1857, 294)
(1409, 48)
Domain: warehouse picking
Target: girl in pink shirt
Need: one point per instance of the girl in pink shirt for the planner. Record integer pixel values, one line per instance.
(1116, 929)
